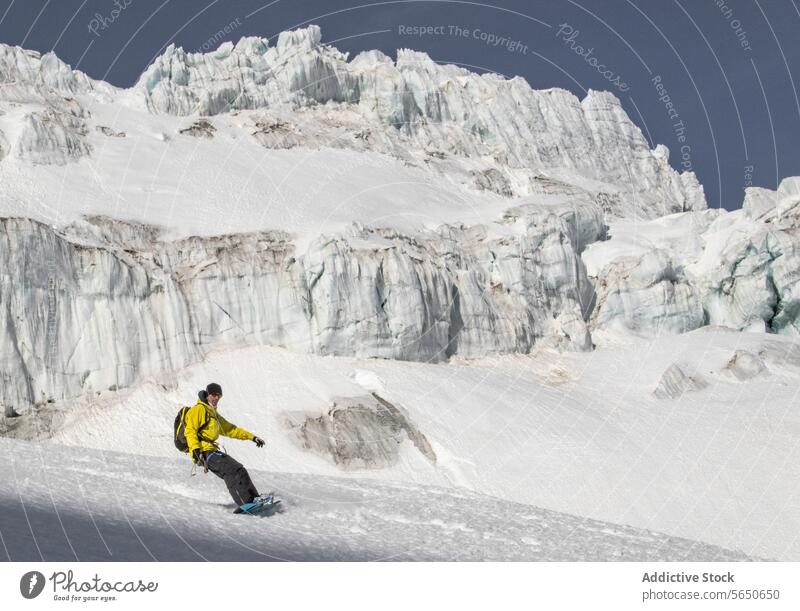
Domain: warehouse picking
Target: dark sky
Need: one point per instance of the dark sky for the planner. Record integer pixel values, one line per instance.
(729, 70)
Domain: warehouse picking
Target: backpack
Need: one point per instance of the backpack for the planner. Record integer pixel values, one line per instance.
(180, 429)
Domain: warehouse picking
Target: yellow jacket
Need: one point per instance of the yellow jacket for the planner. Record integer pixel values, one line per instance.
(205, 437)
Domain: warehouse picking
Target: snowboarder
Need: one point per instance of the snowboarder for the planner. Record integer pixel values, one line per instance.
(204, 425)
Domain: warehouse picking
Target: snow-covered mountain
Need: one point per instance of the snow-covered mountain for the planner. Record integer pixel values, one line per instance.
(366, 207)
(244, 212)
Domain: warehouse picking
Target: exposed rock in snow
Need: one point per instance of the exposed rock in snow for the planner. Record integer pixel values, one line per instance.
(360, 433)
(107, 131)
(201, 128)
(545, 185)
(675, 382)
(277, 134)
(746, 365)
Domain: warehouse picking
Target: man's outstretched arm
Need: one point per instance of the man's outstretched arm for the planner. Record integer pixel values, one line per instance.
(231, 430)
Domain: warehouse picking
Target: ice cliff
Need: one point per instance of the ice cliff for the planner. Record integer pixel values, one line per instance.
(102, 304)
(285, 195)
(736, 269)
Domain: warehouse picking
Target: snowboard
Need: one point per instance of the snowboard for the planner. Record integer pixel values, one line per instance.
(263, 505)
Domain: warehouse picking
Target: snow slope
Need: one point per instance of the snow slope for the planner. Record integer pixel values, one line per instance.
(573, 432)
(65, 504)
(229, 183)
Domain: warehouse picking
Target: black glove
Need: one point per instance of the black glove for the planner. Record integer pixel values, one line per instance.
(258, 441)
(197, 456)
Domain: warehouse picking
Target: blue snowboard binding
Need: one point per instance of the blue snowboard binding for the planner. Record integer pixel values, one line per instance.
(264, 504)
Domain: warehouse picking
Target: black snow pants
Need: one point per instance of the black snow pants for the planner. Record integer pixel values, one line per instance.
(235, 476)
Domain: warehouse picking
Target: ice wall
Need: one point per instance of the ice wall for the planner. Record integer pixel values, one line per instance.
(103, 304)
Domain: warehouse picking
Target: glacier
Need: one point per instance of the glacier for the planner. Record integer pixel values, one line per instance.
(523, 298)
(384, 209)
(102, 304)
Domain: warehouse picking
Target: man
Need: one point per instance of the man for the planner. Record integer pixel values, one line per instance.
(204, 425)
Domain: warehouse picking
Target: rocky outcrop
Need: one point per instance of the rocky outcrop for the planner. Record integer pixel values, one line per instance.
(107, 131)
(201, 128)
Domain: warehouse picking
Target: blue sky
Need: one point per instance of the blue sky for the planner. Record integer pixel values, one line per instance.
(729, 68)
